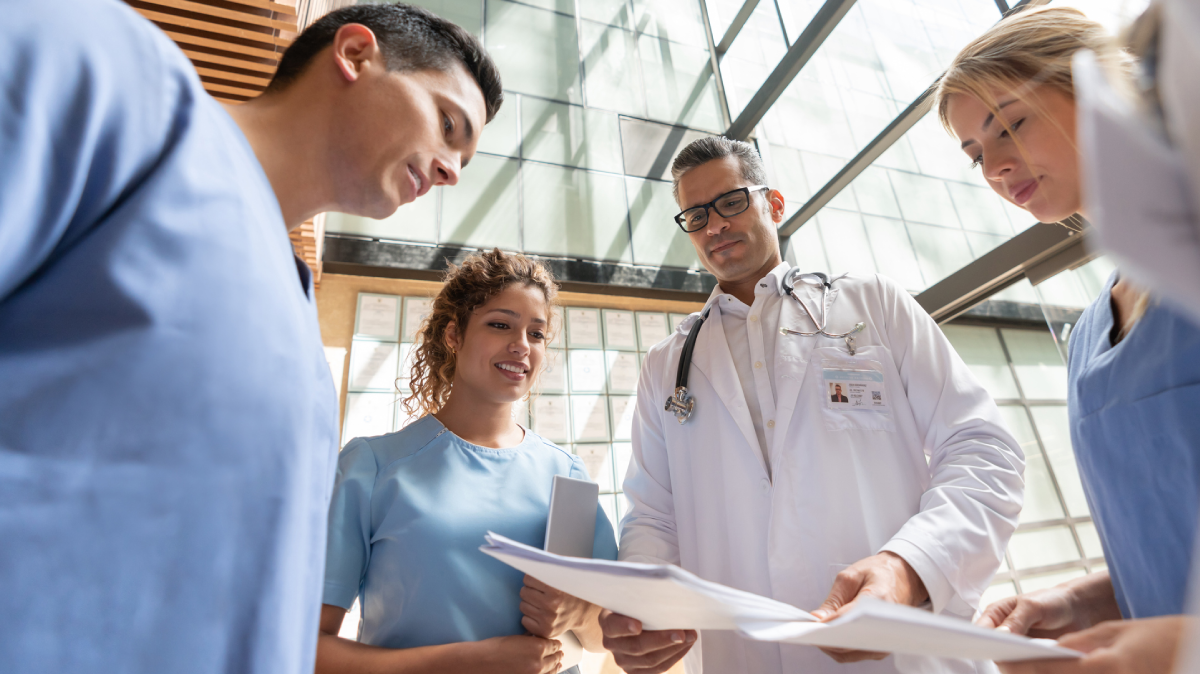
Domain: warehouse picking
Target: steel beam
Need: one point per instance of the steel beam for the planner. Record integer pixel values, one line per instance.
(739, 21)
(792, 63)
(1036, 254)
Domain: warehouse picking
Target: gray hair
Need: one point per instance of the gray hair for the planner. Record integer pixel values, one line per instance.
(704, 150)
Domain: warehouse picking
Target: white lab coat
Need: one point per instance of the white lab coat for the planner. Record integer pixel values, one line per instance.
(844, 485)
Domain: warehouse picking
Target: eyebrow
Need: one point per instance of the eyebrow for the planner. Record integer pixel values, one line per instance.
(987, 121)
(710, 200)
(514, 314)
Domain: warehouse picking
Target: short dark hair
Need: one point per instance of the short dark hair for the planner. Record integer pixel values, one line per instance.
(704, 150)
(411, 38)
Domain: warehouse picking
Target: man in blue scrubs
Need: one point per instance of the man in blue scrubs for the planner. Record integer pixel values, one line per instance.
(168, 426)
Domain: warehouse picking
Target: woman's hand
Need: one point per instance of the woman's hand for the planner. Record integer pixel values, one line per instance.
(549, 613)
(1148, 646)
(1055, 611)
(518, 655)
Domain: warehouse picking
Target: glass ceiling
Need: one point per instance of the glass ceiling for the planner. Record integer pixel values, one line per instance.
(601, 94)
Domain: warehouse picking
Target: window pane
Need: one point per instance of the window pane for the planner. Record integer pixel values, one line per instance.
(941, 251)
(1045, 547)
(610, 12)
(656, 239)
(536, 50)
(845, 241)
(611, 78)
(675, 20)
(481, 211)
(980, 349)
(1035, 583)
(649, 148)
(501, 135)
(466, 14)
(1053, 426)
(1090, 540)
(575, 213)
(1041, 499)
(416, 221)
(752, 56)
(997, 592)
(570, 135)
(894, 252)
(680, 87)
(1040, 369)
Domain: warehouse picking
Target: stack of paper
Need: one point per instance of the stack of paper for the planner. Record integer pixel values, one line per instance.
(668, 597)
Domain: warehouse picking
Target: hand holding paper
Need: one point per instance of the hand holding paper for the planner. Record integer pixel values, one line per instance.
(666, 597)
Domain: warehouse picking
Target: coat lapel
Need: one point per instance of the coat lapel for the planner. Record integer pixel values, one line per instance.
(792, 353)
(713, 359)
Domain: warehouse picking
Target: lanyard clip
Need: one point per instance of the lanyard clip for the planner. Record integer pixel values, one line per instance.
(681, 404)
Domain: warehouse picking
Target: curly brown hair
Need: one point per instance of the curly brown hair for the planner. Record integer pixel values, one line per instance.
(467, 287)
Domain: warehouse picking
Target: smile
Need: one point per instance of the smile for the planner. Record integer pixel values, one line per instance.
(511, 368)
(724, 246)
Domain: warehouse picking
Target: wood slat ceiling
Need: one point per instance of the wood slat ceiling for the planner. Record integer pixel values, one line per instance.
(235, 46)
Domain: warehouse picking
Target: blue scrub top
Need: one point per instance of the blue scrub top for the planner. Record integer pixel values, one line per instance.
(168, 423)
(1135, 424)
(410, 510)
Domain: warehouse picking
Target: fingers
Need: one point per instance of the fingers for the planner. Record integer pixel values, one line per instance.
(993, 616)
(552, 661)
(538, 586)
(552, 600)
(657, 660)
(844, 655)
(1023, 616)
(1088, 640)
(846, 587)
(650, 642)
(536, 627)
(615, 625)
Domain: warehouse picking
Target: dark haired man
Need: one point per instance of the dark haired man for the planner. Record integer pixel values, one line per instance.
(769, 486)
(168, 427)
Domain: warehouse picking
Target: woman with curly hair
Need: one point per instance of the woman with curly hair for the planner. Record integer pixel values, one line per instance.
(410, 509)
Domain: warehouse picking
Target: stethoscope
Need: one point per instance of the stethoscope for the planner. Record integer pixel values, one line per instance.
(682, 404)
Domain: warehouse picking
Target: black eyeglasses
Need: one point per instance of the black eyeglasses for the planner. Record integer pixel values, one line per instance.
(727, 205)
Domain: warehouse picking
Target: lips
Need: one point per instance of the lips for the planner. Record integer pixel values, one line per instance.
(1023, 191)
(512, 370)
(722, 246)
(420, 185)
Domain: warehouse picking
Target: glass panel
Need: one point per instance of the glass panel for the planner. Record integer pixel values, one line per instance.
(469, 15)
(483, 210)
(676, 20)
(1041, 499)
(502, 135)
(537, 51)
(575, 213)
(564, 6)
(680, 87)
(656, 239)
(570, 135)
(1090, 539)
(979, 208)
(806, 250)
(1035, 583)
(649, 148)
(1114, 14)
(611, 78)
(981, 350)
(752, 56)
(1045, 547)
(894, 251)
(785, 171)
(720, 15)
(611, 12)
(1053, 427)
(1040, 370)
(924, 199)
(941, 251)
(874, 193)
(416, 221)
(846, 244)
(796, 14)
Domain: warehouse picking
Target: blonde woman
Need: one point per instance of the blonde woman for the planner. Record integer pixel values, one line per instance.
(410, 509)
(1134, 367)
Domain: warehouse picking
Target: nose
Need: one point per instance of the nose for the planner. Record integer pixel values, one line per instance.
(519, 346)
(446, 169)
(998, 164)
(716, 223)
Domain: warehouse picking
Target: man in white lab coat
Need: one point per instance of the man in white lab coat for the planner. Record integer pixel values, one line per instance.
(909, 496)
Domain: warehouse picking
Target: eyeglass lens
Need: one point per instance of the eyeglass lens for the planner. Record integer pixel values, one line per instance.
(727, 206)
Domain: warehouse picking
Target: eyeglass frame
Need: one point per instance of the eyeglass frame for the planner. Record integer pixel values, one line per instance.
(713, 205)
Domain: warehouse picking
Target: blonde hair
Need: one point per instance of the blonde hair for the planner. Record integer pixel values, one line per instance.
(467, 287)
(1030, 49)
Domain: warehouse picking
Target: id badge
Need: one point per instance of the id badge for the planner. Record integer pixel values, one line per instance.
(855, 389)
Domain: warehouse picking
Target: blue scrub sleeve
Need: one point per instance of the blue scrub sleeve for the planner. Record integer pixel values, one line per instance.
(80, 122)
(605, 544)
(348, 549)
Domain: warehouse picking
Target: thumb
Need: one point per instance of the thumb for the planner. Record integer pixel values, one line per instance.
(993, 616)
(1024, 615)
(615, 625)
(845, 588)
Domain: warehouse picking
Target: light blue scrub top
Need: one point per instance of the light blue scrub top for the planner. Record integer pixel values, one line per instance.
(167, 419)
(410, 510)
(1135, 425)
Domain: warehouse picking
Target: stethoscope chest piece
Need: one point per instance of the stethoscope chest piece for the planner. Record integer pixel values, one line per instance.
(681, 404)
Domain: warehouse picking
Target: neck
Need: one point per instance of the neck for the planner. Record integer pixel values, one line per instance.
(743, 288)
(479, 421)
(279, 128)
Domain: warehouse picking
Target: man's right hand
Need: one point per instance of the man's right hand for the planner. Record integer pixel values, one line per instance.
(1053, 612)
(519, 655)
(643, 652)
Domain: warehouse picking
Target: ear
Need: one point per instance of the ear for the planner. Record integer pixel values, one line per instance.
(775, 201)
(452, 338)
(354, 48)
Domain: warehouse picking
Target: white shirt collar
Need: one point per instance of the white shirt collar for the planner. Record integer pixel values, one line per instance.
(771, 283)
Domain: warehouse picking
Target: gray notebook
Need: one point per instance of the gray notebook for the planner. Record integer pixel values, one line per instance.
(571, 531)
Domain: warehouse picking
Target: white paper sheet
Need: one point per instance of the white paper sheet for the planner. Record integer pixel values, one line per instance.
(661, 596)
(589, 418)
(622, 371)
(377, 316)
(415, 311)
(584, 325)
(619, 331)
(667, 597)
(550, 418)
(587, 371)
(878, 626)
(652, 329)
